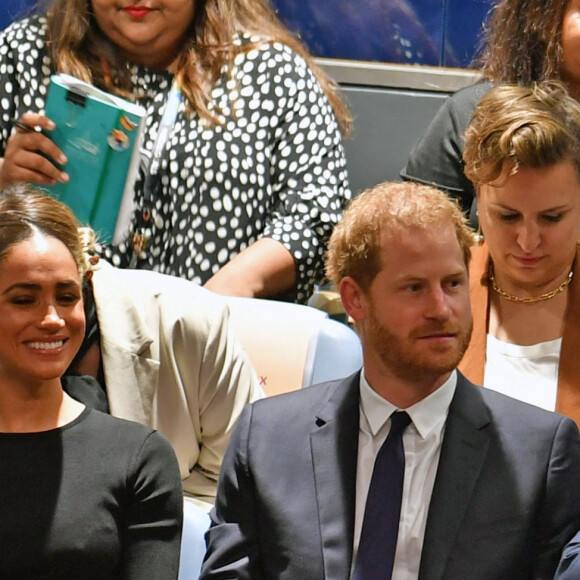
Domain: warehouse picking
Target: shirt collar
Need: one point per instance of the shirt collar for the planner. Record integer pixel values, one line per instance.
(426, 415)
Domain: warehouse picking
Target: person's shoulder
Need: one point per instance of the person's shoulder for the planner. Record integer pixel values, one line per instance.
(499, 402)
(127, 442)
(466, 99)
(270, 54)
(513, 415)
(117, 428)
(150, 283)
(276, 421)
(118, 433)
(28, 29)
(306, 400)
(281, 51)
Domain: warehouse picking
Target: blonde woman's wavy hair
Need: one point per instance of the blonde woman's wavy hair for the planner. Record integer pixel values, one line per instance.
(514, 126)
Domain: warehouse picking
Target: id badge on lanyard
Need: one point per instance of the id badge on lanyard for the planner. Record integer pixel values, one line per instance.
(142, 232)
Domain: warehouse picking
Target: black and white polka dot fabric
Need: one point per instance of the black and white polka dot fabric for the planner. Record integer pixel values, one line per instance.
(274, 168)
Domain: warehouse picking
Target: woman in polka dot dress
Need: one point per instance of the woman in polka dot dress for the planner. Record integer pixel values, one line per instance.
(251, 177)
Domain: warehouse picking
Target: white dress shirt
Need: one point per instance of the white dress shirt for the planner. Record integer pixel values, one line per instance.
(422, 443)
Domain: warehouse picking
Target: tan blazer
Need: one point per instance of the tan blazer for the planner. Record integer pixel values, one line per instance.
(171, 362)
(473, 362)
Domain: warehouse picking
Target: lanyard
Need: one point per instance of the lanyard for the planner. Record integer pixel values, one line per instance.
(167, 122)
(152, 177)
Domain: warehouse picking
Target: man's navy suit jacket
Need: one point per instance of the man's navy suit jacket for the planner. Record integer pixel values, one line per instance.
(505, 501)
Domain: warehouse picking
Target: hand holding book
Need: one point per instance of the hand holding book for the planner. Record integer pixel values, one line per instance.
(83, 149)
(27, 153)
(99, 133)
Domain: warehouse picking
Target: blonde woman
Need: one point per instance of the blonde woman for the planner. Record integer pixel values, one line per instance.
(522, 152)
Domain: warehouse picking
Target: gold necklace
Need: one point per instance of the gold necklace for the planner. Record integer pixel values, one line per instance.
(528, 299)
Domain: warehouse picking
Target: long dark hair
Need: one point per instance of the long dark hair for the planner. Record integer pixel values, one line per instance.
(523, 41)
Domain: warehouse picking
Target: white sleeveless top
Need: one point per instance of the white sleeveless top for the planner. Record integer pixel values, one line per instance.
(527, 373)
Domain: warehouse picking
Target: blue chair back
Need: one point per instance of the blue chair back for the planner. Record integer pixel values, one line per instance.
(195, 524)
(293, 345)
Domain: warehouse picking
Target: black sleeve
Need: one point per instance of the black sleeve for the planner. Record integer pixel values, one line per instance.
(151, 530)
(436, 158)
(559, 518)
(307, 168)
(232, 542)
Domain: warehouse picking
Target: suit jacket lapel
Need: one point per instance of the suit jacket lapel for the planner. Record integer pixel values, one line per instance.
(131, 377)
(463, 453)
(334, 445)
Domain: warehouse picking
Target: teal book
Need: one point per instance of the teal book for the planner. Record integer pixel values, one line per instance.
(100, 135)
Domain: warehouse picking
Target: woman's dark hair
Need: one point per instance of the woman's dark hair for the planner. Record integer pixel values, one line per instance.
(523, 41)
(25, 211)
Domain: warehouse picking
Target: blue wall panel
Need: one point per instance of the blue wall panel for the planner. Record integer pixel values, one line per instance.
(380, 30)
(429, 32)
(12, 9)
(463, 30)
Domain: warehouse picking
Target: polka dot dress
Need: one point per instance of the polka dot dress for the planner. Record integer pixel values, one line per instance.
(274, 167)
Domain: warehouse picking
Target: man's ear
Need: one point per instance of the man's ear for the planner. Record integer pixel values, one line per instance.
(353, 299)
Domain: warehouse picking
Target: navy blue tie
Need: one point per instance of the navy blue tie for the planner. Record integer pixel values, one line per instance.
(378, 540)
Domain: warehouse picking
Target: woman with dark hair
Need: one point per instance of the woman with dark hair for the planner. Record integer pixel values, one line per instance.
(83, 494)
(241, 186)
(525, 41)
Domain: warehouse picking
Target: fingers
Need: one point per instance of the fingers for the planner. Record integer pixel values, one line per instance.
(25, 158)
(36, 120)
(21, 164)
